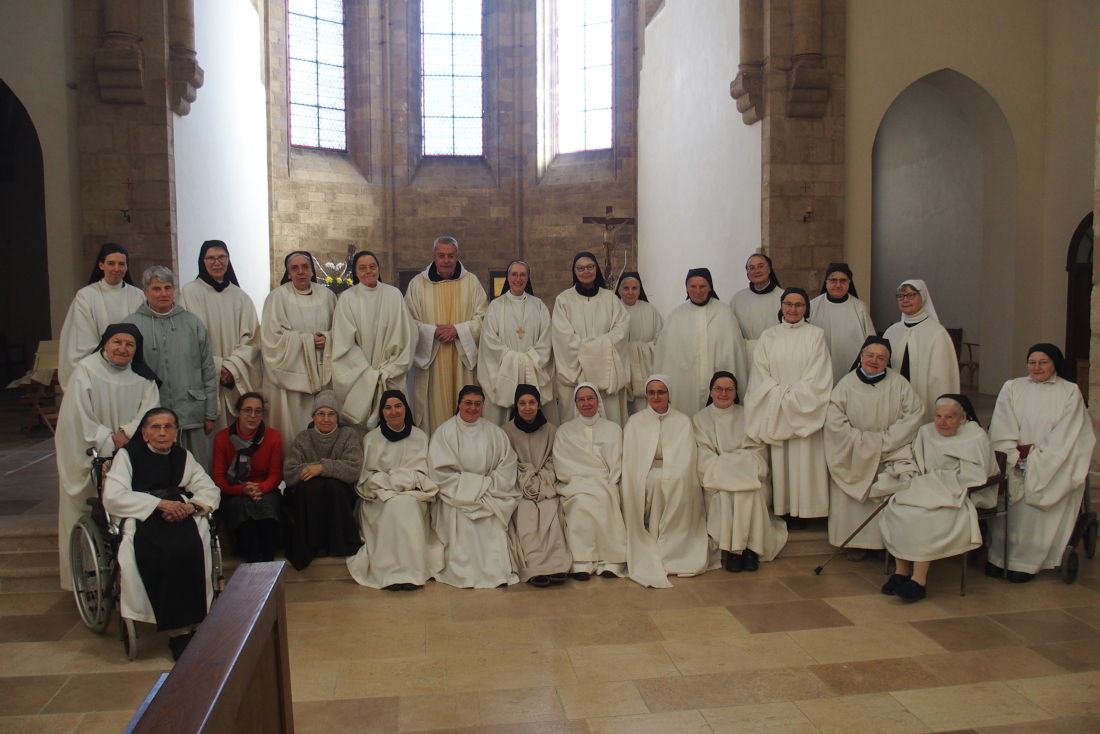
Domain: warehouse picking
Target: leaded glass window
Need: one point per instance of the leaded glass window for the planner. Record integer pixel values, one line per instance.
(451, 87)
(315, 53)
(582, 54)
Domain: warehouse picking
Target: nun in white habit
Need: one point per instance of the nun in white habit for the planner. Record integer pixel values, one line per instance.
(785, 408)
(733, 470)
(843, 317)
(1041, 423)
(515, 346)
(588, 456)
(645, 327)
(231, 327)
(755, 307)
(295, 339)
(400, 550)
(922, 349)
(702, 337)
(666, 526)
(472, 462)
(372, 343)
(872, 418)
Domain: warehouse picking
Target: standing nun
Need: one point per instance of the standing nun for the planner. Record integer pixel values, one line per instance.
(645, 328)
(590, 332)
(755, 306)
(231, 326)
(297, 352)
(702, 337)
(787, 399)
(843, 317)
(923, 352)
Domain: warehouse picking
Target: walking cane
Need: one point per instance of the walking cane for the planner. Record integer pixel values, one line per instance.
(818, 570)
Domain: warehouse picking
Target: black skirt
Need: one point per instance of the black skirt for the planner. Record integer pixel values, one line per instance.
(322, 520)
(171, 560)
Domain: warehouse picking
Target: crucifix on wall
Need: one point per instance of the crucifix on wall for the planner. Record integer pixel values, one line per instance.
(609, 224)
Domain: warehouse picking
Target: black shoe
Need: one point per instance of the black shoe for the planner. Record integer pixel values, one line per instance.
(178, 644)
(994, 571)
(891, 586)
(411, 587)
(910, 590)
(1019, 577)
(733, 562)
(608, 575)
(795, 523)
(580, 575)
(750, 561)
(394, 587)
(558, 578)
(540, 581)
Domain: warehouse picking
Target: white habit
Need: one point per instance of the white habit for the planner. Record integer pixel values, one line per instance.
(846, 326)
(588, 456)
(696, 342)
(100, 400)
(1045, 498)
(475, 468)
(441, 370)
(933, 366)
(666, 525)
(865, 426)
(514, 350)
(787, 398)
(372, 347)
(756, 313)
(295, 370)
(931, 515)
(733, 470)
(395, 494)
(590, 345)
(94, 308)
(233, 331)
(123, 502)
(645, 327)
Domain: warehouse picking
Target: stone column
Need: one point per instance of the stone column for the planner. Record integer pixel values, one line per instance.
(185, 75)
(118, 61)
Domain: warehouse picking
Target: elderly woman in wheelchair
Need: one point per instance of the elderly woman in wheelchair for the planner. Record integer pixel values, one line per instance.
(162, 500)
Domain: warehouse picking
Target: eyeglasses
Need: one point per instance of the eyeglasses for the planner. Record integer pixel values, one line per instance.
(908, 296)
(325, 414)
(255, 411)
(837, 281)
(788, 304)
(584, 268)
(216, 258)
(1039, 363)
(723, 390)
(470, 403)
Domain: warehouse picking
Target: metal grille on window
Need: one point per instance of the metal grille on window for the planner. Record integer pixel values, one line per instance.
(450, 78)
(315, 50)
(583, 55)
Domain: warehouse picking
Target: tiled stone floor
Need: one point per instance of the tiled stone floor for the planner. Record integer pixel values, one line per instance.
(779, 650)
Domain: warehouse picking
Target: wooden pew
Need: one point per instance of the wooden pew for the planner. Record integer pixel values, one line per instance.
(235, 674)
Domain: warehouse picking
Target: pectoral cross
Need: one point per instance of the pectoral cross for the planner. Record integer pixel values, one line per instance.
(610, 224)
(520, 332)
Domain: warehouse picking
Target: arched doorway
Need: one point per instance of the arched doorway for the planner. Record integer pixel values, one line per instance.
(24, 303)
(1079, 298)
(943, 210)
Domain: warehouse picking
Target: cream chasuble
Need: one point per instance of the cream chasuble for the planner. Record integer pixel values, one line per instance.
(590, 345)
(372, 347)
(295, 370)
(846, 326)
(933, 365)
(645, 328)
(1046, 495)
(514, 350)
(233, 331)
(733, 470)
(865, 426)
(785, 408)
(698, 341)
(441, 370)
(94, 308)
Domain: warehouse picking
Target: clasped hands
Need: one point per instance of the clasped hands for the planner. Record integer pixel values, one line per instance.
(445, 333)
(173, 511)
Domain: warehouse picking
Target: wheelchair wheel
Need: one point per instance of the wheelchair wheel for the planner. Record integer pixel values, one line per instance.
(90, 564)
(217, 572)
(127, 632)
(1090, 538)
(1069, 564)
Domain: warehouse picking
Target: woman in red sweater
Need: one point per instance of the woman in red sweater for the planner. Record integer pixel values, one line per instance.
(248, 468)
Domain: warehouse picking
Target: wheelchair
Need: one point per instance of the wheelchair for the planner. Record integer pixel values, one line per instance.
(93, 557)
(1084, 532)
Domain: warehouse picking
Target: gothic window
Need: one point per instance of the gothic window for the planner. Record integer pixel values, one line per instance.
(315, 56)
(451, 87)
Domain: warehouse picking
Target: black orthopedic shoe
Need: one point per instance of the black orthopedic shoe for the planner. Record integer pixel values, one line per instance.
(750, 561)
(892, 584)
(910, 590)
(581, 575)
(608, 575)
(539, 581)
(1020, 577)
(558, 578)
(994, 571)
(795, 523)
(733, 562)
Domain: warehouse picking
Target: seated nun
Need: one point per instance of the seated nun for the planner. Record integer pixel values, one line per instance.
(733, 470)
(588, 460)
(475, 467)
(164, 499)
(785, 407)
(248, 469)
(931, 514)
(400, 550)
(1041, 423)
(109, 391)
(842, 316)
(645, 327)
(539, 553)
(873, 414)
(666, 525)
(320, 470)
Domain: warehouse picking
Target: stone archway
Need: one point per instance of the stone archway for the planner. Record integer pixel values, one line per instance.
(943, 173)
(24, 310)
(1079, 263)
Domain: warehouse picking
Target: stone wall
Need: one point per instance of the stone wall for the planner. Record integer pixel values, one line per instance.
(383, 196)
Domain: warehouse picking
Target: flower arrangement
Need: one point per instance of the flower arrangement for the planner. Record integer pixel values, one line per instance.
(336, 276)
